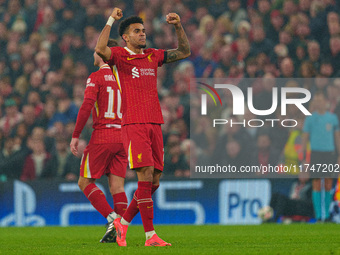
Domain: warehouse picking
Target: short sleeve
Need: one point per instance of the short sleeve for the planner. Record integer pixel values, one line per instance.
(111, 61)
(306, 125)
(92, 87)
(160, 56)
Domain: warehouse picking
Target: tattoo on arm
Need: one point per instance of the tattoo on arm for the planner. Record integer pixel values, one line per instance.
(172, 56)
(183, 50)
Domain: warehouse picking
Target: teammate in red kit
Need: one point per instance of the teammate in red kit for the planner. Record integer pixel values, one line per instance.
(105, 153)
(135, 69)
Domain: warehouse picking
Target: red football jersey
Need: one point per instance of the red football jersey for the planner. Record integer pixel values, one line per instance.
(136, 75)
(102, 87)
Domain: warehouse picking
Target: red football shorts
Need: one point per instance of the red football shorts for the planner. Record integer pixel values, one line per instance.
(100, 159)
(143, 144)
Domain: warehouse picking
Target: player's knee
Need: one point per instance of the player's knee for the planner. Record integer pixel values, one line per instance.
(83, 182)
(145, 173)
(116, 190)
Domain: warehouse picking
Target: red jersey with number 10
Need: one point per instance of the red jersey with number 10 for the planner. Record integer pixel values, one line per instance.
(102, 87)
(136, 74)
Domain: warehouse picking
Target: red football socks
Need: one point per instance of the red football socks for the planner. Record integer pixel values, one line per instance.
(120, 203)
(133, 209)
(145, 204)
(97, 199)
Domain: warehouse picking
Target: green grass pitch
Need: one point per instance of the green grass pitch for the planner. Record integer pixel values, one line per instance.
(208, 239)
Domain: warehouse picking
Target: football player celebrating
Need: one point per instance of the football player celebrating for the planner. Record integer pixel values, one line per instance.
(135, 69)
(105, 153)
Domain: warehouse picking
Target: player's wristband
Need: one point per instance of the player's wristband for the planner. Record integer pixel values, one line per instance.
(110, 21)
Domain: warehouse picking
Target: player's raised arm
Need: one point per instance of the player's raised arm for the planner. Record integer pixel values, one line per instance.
(183, 49)
(101, 48)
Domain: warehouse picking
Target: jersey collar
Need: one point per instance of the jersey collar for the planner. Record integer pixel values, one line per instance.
(131, 52)
(104, 66)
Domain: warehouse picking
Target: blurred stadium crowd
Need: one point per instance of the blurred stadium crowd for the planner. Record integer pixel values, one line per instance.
(46, 55)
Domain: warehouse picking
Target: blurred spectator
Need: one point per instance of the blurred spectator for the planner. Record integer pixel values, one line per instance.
(57, 163)
(237, 134)
(58, 129)
(235, 12)
(29, 117)
(287, 68)
(301, 54)
(48, 20)
(264, 99)
(291, 155)
(206, 26)
(78, 94)
(314, 56)
(226, 58)
(36, 162)
(15, 67)
(275, 26)
(11, 118)
(39, 133)
(33, 99)
(327, 69)
(80, 52)
(66, 111)
(5, 87)
(175, 161)
(260, 43)
(42, 60)
(204, 65)
(243, 50)
(265, 153)
(234, 155)
(12, 157)
(334, 44)
(93, 17)
(307, 70)
(52, 80)
(203, 135)
(47, 113)
(35, 82)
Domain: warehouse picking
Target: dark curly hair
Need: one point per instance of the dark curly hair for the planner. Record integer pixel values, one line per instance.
(124, 25)
(112, 43)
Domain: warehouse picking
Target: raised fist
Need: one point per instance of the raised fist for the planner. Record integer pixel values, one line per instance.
(173, 18)
(117, 13)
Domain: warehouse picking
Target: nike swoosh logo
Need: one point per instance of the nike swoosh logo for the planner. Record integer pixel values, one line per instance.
(130, 58)
(148, 207)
